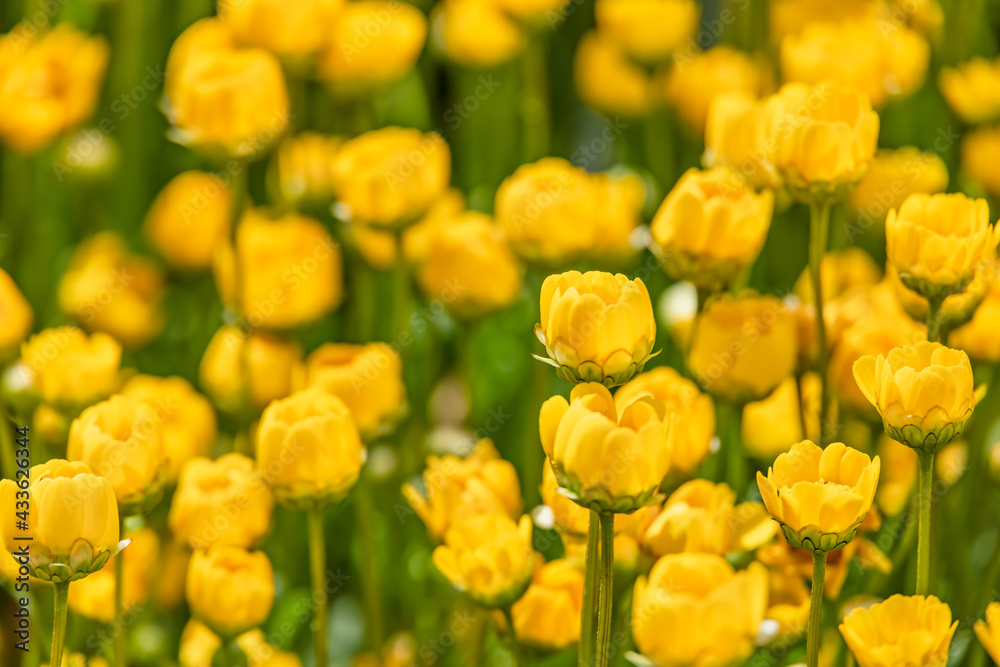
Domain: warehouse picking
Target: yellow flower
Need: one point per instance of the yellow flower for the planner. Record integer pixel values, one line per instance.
(735, 137)
(293, 29)
(701, 516)
(69, 368)
(230, 589)
(186, 419)
(988, 631)
(120, 439)
(894, 175)
(308, 449)
(389, 177)
(168, 589)
(711, 227)
(531, 12)
(220, 502)
(696, 79)
(302, 168)
(260, 653)
(880, 62)
(693, 425)
(611, 461)
(377, 246)
(607, 80)
(489, 557)
(649, 30)
(80, 660)
(978, 337)
(972, 89)
(94, 597)
(900, 475)
(956, 309)
(107, 289)
(240, 368)
(937, 242)
(743, 347)
(951, 462)
(72, 520)
(819, 496)
(17, 316)
(770, 424)
(789, 17)
(924, 393)
(823, 137)
(470, 267)
(189, 219)
(50, 81)
(290, 270)
(571, 520)
(373, 42)
(787, 605)
(907, 631)
(202, 36)
(454, 488)
(227, 102)
(694, 609)
(367, 378)
(596, 326)
(548, 615)
(476, 33)
(418, 238)
(980, 152)
(198, 645)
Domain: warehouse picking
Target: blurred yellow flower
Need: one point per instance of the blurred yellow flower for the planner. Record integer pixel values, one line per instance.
(743, 347)
(476, 33)
(373, 42)
(711, 227)
(367, 378)
(894, 175)
(198, 645)
(819, 496)
(186, 420)
(107, 289)
(15, 324)
(596, 326)
(980, 150)
(489, 557)
(230, 589)
(69, 540)
(189, 219)
(608, 459)
(293, 29)
(951, 462)
(94, 597)
(80, 660)
(956, 309)
(770, 424)
(168, 589)
(978, 337)
(972, 89)
(788, 17)
(50, 81)
(548, 614)
(571, 520)
(898, 477)
(202, 36)
(260, 653)
(220, 502)
(787, 605)
(246, 370)
(694, 609)
(69, 368)
(607, 80)
(379, 247)
(454, 488)
(693, 425)
(649, 30)
(924, 393)
(988, 631)
(302, 168)
(913, 631)
(735, 136)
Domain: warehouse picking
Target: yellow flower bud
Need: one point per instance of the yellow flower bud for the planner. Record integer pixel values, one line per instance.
(894, 175)
(743, 347)
(476, 34)
(693, 414)
(106, 289)
(186, 419)
(189, 219)
(204, 35)
(937, 242)
(696, 79)
(17, 316)
(972, 89)
(607, 80)
(596, 326)
(711, 227)
(454, 488)
(548, 615)
(978, 337)
(198, 645)
(302, 169)
(120, 439)
(389, 177)
(292, 29)
(220, 502)
(489, 557)
(649, 30)
(69, 368)
(72, 520)
(254, 368)
(956, 309)
(610, 461)
(980, 152)
(823, 137)
(230, 589)
(819, 496)
(898, 477)
(924, 393)
(988, 631)
(50, 81)
(902, 630)
(94, 597)
(367, 378)
(694, 609)
(418, 238)
(735, 137)
(385, 54)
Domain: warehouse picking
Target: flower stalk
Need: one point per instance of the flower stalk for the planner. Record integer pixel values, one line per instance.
(604, 611)
(819, 229)
(59, 622)
(121, 645)
(815, 608)
(590, 588)
(925, 481)
(317, 563)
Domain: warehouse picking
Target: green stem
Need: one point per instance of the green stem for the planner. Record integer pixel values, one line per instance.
(730, 425)
(317, 563)
(121, 643)
(59, 623)
(604, 610)
(402, 294)
(536, 98)
(8, 457)
(369, 567)
(515, 646)
(934, 320)
(590, 586)
(815, 608)
(925, 480)
(819, 229)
